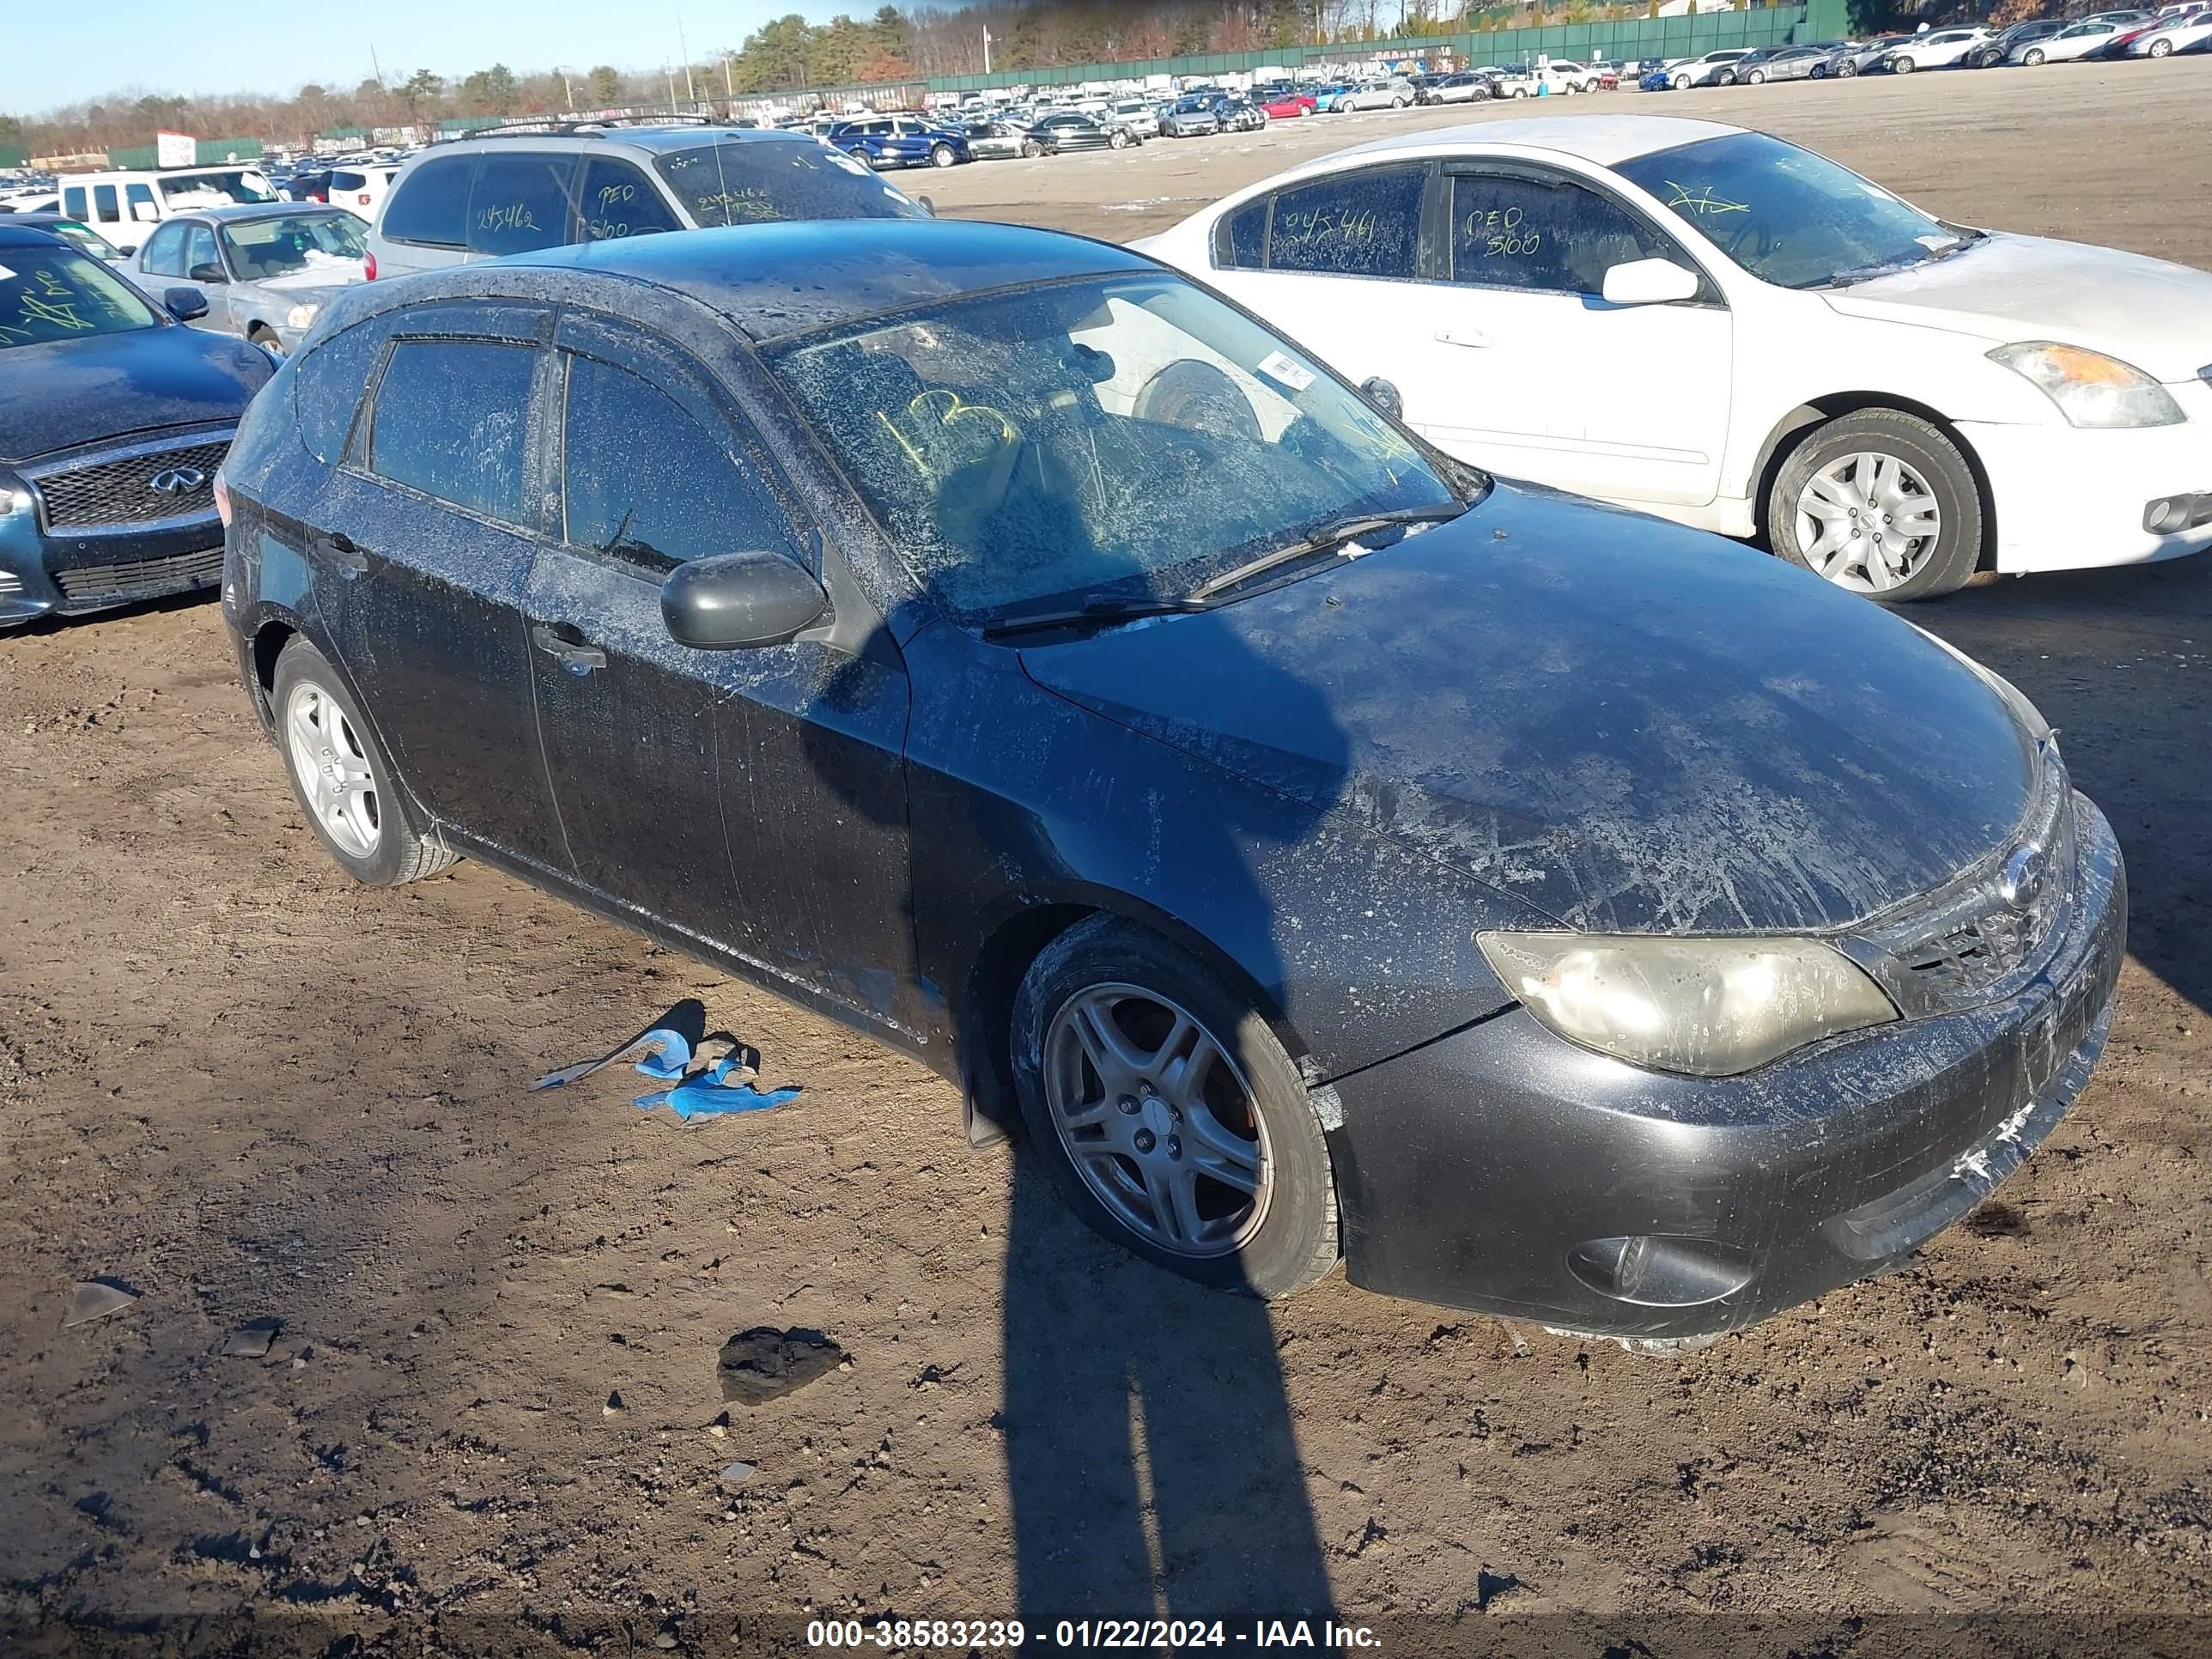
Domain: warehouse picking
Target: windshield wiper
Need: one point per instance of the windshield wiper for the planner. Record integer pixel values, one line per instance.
(1099, 613)
(1329, 538)
(1960, 241)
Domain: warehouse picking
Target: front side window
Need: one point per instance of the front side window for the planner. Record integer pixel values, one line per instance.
(329, 243)
(451, 421)
(54, 293)
(641, 478)
(431, 208)
(1510, 230)
(1355, 224)
(1132, 435)
(200, 263)
(1786, 216)
(617, 201)
(755, 183)
(520, 203)
(164, 254)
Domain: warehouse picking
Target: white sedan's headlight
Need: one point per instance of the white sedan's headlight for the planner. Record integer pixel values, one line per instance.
(299, 316)
(2090, 388)
(1711, 1007)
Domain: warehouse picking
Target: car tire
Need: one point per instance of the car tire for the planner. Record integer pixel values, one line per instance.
(1280, 1241)
(1118, 141)
(1031, 148)
(1682, 83)
(1848, 69)
(2158, 49)
(1755, 78)
(1397, 103)
(943, 155)
(1902, 66)
(1933, 464)
(2033, 58)
(365, 827)
(265, 336)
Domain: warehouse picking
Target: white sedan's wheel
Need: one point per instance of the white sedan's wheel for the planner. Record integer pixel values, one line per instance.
(1682, 83)
(2159, 48)
(2034, 57)
(1902, 66)
(1879, 502)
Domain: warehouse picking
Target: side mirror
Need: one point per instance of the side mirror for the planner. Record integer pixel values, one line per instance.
(127, 251)
(1384, 394)
(145, 213)
(207, 274)
(184, 304)
(1649, 283)
(736, 600)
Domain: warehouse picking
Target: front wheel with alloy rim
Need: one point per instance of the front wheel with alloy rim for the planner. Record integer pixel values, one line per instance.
(1903, 66)
(1880, 502)
(1174, 1122)
(341, 778)
(942, 156)
(1755, 78)
(2159, 48)
(2033, 58)
(1682, 83)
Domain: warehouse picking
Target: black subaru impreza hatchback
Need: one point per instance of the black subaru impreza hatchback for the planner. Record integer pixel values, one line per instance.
(1014, 649)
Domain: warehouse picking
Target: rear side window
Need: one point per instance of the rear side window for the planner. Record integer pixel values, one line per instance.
(643, 479)
(451, 421)
(520, 204)
(348, 181)
(332, 380)
(1357, 224)
(766, 180)
(431, 206)
(103, 199)
(618, 201)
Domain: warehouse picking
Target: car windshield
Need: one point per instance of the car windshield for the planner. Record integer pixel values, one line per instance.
(85, 237)
(1787, 216)
(50, 294)
(1124, 438)
(186, 190)
(261, 249)
(751, 183)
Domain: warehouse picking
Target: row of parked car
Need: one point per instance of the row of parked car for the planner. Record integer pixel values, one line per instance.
(854, 536)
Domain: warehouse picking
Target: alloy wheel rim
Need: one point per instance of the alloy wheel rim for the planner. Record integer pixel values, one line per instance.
(332, 766)
(1867, 521)
(1158, 1120)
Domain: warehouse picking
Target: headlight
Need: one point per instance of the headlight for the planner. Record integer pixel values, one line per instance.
(1711, 1007)
(2090, 388)
(13, 502)
(301, 316)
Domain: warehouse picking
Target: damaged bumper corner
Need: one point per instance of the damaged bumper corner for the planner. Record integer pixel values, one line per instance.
(1505, 1170)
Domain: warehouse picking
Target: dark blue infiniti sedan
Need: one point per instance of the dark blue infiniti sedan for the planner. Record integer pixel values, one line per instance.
(1320, 849)
(113, 418)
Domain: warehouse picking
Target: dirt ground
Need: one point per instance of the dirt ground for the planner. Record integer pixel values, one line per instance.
(246, 1090)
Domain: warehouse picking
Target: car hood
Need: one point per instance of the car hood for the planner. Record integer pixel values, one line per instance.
(69, 393)
(317, 282)
(2146, 312)
(1629, 725)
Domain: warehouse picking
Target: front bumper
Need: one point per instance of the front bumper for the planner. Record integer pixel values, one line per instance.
(75, 572)
(2072, 498)
(1471, 1171)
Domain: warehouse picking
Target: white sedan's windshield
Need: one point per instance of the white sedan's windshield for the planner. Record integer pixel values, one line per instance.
(1786, 216)
(263, 248)
(1129, 434)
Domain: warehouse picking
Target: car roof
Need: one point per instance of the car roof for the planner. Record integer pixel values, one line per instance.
(801, 275)
(28, 236)
(1605, 140)
(658, 140)
(233, 213)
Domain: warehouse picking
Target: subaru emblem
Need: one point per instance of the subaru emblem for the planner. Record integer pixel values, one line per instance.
(177, 481)
(2022, 880)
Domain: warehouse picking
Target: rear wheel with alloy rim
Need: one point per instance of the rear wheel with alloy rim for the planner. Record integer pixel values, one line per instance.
(1754, 77)
(1173, 1119)
(2034, 57)
(1880, 502)
(1903, 66)
(942, 156)
(2159, 48)
(341, 778)
(1682, 83)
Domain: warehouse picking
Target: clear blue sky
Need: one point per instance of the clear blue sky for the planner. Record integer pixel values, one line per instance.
(55, 55)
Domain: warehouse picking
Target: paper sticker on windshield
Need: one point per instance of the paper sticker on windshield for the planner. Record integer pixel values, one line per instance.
(1277, 366)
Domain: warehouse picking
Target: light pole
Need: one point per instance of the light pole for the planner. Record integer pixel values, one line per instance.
(987, 49)
(691, 91)
(567, 87)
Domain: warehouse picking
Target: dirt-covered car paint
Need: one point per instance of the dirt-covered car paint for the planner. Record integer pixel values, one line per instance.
(1543, 715)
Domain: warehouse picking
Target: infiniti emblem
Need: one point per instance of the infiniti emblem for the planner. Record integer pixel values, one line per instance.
(177, 481)
(2022, 880)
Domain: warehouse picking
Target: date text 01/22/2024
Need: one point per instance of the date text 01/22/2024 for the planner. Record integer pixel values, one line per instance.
(907, 1635)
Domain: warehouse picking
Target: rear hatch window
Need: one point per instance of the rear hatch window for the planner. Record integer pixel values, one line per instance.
(762, 181)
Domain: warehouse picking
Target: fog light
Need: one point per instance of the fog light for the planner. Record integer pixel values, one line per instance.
(2169, 514)
(1654, 1271)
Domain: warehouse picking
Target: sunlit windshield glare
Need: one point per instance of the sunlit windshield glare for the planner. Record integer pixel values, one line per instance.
(184, 192)
(263, 248)
(1786, 215)
(57, 294)
(1129, 435)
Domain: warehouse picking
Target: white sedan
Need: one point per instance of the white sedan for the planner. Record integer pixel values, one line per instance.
(2183, 35)
(2077, 41)
(1723, 329)
(1937, 49)
(1396, 92)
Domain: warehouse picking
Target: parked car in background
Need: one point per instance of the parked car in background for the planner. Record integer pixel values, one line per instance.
(1936, 49)
(1563, 75)
(1857, 378)
(1606, 78)
(2123, 42)
(995, 140)
(1713, 69)
(1067, 129)
(1238, 114)
(2075, 41)
(1137, 116)
(360, 190)
(900, 141)
(265, 273)
(1782, 63)
(1328, 98)
(1657, 80)
(1284, 106)
(481, 199)
(1999, 46)
(1461, 89)
(1858, 59)
(1396, 92)
(702, 615)
(113, 419)
(77, 234)
(1195, 116)
(124, 205)
(2192, 33)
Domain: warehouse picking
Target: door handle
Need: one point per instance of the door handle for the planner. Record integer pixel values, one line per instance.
(572, 654)
(350, 561)
(1462, 336)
